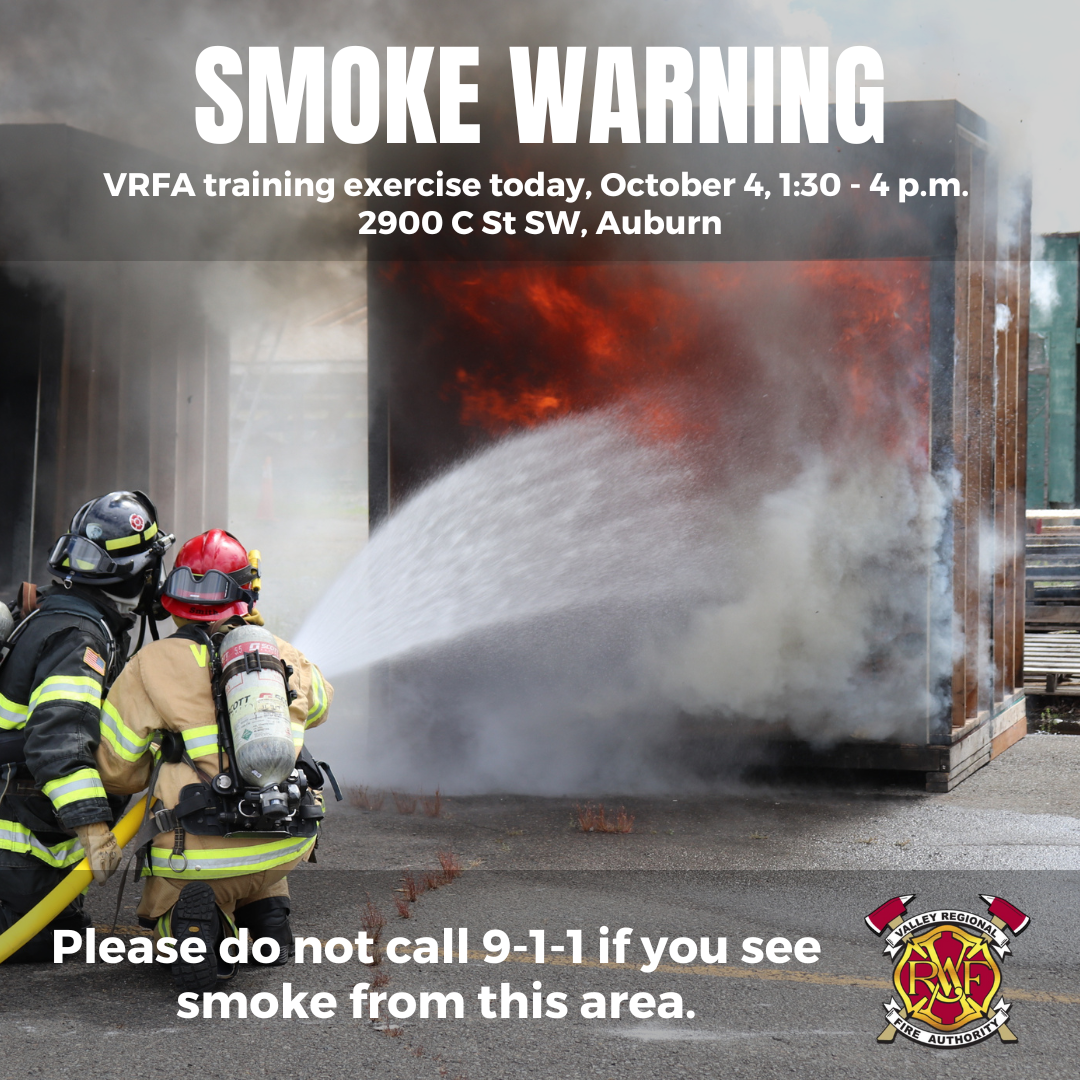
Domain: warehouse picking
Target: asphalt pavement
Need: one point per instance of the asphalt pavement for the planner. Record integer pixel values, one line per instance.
(782, 862)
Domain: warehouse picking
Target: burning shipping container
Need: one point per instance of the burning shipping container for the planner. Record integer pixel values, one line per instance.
(860, 326)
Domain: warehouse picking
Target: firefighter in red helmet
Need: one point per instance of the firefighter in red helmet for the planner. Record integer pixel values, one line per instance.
(226, 836)
(190, 595)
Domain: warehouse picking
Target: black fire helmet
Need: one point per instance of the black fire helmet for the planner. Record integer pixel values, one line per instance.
(113, 543)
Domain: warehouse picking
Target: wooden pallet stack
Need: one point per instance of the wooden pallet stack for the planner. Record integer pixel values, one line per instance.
(1052, 603)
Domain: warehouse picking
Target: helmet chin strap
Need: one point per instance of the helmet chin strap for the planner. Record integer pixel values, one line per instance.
(144, 607)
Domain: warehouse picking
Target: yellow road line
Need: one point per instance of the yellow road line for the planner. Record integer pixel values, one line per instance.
(813, 978)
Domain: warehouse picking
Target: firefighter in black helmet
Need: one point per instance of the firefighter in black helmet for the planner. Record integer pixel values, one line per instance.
(63, 657)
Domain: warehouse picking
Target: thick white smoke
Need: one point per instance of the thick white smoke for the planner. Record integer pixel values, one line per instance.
(544, 616)
(840, 581)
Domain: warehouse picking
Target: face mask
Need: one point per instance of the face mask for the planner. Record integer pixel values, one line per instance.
(125, 604)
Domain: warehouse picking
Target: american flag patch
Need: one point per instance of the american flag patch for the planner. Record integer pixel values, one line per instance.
(92, 660)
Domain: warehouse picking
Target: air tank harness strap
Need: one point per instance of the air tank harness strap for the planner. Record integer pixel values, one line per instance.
(16, 784)
(138, 857)
(313, 770)
(258, 661)
(7, 771)
(140, 854)
(170, 751)
(166, 819)
(333, 779)
(202, 799)
(178, 849)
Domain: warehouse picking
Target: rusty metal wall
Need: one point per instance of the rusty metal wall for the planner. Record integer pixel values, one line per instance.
(989, 394)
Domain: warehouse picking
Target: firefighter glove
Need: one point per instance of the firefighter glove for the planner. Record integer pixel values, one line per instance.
(101, 849)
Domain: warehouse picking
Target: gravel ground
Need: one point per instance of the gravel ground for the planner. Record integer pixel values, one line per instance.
(787, 861)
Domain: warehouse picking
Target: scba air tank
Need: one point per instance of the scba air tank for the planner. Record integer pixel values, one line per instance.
(257, 701)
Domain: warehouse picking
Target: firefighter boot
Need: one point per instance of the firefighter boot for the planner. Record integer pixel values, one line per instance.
(269, 918)
(196, 915)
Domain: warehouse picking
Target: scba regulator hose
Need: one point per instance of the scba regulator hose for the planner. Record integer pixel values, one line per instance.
(15, 937)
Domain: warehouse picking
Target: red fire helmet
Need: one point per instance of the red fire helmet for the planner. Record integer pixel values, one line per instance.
(210, 580)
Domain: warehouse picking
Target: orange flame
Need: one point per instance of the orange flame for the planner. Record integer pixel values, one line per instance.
(831, 351)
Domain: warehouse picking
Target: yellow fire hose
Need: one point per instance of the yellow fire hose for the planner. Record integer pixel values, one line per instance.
(15, 937)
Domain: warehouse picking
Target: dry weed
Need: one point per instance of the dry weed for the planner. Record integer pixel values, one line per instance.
(411, 887)
(373, 921)
(433, 805)
(406, 804)
(451, 868)
(364, 798)
(594, 819)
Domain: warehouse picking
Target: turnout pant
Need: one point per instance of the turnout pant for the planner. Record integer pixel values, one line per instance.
(25, 881)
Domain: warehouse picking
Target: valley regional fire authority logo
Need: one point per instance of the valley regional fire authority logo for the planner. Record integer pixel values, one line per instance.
(947, 972)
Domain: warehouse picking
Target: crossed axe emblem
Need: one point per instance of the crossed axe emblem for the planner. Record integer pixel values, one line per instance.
(890, 915)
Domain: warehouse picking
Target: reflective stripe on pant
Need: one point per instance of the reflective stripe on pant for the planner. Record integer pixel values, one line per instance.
(159, 893)
(214, 863)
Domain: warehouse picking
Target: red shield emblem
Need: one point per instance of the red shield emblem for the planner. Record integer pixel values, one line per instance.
(138, 522)
(946, 977)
